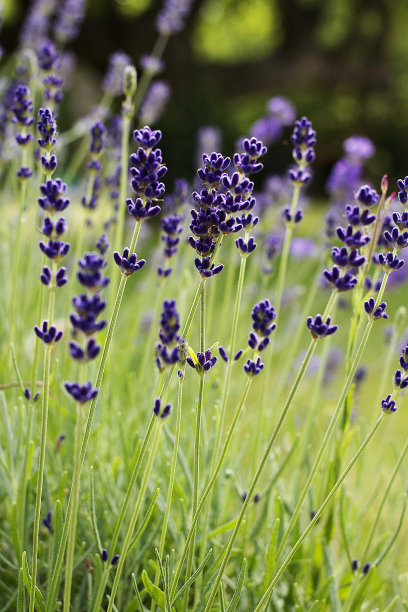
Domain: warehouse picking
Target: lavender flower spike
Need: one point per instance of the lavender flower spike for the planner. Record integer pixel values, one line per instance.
(388, 405)
(48, 336)
(128, 264)
(81, 393)
(318, 328)
(373, 312)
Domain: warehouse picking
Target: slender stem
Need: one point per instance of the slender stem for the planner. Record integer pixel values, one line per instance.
(40, 476)
(209, 487)
(88, 425)
(171, 481)
(332, 424)
(288, 403)
(135, 514)
(191, 314)
(17, 248)
(317, 516)
(382, 503)
(124, 172)
(147, 76)
(196, 466)
(69, 564)
(123, 510)
(225, 393)
(283, 265)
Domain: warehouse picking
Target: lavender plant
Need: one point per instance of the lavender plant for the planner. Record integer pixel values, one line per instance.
(195, 429)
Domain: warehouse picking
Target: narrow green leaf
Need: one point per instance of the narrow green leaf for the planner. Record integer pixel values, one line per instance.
(343, 528)
(139, 599)
(93, 512)
(394, 535)
(237, 593)
(222, 599)
(155, 593)
(330, 572)
(192, 578)
(222, 529)
(21, 601)
(392, 603)
(39, 601)
(271, 557)
(362, 590)
(57, 533)
(145, 521)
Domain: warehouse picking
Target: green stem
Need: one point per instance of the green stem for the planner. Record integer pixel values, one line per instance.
(40, 476)
(332, 425)
(225, 393)
(123, 510)
(196, 466)
(171, 482)
(317, 516)
(88, 426)
(16, 250)
(69, 563)
(191, 314)
(124, 170)
(135, 514)
(209, 487)
(288, 403)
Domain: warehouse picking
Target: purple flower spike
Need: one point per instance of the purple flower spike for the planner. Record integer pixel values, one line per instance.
(98, 134)
(81, 393)
(389, 262)
(223, 354)
(215, 165)
(22, 108)
(47, 129)
(205, 268)
(245, 248)
(90, 274)
(141, 212)
(205, 362)
(375, 312)
(115, 559)
(263, 314)
(103, 244)
(47, 522)
(55, 249)
(91, 351)
(347, 259)
(147, 138)
(403, 190)
(113, 81)
(172, 16)
(367, 196)
(404, 359)
(341, 283)
(128, 264)
(157, 409)
(104, 555)
(352, 239)
(253, 368)
(388, 405)
(400, 380)
(318, 328)
(47, 57)
(395, 239)
(356, 217)
(53, 199)
(48, 336)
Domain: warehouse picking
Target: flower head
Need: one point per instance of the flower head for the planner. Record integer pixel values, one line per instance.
(48, 335)
(127, 263)
(319, 328)
(81, 393)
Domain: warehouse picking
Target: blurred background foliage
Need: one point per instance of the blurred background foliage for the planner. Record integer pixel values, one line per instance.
(343, 64)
